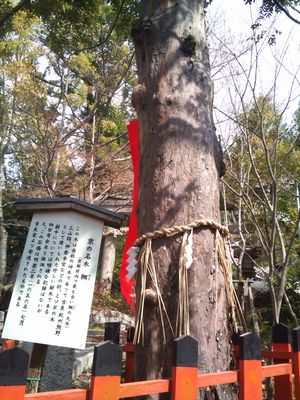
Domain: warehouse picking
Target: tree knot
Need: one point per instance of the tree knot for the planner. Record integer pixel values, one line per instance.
(188, 46)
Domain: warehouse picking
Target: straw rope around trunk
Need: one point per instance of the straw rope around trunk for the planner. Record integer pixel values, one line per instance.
(174, 230)
(116, 232)
(149, 269)
(171, 231)
(149, 279)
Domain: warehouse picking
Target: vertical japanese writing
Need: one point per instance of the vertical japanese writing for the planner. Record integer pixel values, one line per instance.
(55, 280)
(51, 265)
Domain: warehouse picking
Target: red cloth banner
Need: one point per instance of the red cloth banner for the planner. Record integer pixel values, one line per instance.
(127, 285)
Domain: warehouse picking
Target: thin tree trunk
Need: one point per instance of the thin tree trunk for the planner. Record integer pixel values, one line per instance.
(107, 262)
(3, 233)
(290, 308)
(253, 310)
(65, 83)
(56, 169)
(92, 162)
(179, 180)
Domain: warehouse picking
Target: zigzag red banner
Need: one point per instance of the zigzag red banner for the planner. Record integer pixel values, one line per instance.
(127, 284)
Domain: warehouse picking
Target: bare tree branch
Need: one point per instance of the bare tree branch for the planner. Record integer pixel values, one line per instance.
(285, 11)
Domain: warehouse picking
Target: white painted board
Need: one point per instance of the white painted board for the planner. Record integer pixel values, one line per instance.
(53, 292)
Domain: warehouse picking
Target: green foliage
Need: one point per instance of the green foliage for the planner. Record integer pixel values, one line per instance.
(118, 262)
(266, 150)
(16, 230)
(271, 7)
(113, 301)
(70, 26)
(66, 75)
(268, 7)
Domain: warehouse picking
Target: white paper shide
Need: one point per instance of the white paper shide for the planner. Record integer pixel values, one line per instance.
(53, 292)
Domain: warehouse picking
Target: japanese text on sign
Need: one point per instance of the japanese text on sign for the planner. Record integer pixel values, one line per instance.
(54, 287)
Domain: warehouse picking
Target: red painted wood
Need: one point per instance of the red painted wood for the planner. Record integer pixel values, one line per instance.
(105, 388)
(280, 355)
(184, 383)
(9, 343)
(129, 347)
(296, 371)
(250, 380)
(284, 383)
(142, 388)
(129, 362)
(12, 392)
(217, 378)
(276, 370)
(72, 394)
(236, 351)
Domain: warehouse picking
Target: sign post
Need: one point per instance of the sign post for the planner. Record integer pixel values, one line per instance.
(53, 292)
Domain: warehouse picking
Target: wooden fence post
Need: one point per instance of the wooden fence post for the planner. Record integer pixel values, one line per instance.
(13, 373)
(281, 343)
(185, 369)
(9, 343)
(296, 360)
(235, 346)
(129, 362)
(112, 332)
(106, 372)
(250, 371)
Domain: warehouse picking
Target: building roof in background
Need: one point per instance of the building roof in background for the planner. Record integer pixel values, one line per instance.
(122, 204)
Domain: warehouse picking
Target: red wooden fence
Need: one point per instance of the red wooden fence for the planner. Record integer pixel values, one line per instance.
(185, 380)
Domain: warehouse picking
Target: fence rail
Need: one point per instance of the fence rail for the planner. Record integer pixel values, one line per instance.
(71, 394)
(185, 379)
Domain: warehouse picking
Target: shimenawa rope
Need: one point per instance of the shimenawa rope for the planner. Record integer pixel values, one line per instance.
(148, 268)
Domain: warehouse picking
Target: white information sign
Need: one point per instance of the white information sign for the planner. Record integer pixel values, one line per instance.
(53, 292)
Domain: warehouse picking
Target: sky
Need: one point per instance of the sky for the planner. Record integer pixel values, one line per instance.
(230, 25)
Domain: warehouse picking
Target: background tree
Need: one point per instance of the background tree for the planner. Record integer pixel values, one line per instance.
(64, 95)
(289, 8)
(18, 55)
(262, 174)
(240, 78)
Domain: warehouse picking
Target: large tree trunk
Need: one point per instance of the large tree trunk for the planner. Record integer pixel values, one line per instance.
(179, 173)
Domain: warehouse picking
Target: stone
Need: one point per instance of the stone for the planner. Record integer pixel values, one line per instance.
(58, 368)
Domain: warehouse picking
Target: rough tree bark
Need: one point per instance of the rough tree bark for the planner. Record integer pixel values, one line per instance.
(3, 233)
(179, 174)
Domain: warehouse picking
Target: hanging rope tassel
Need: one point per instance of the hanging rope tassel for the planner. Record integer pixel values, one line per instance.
(233, 302)
(185, 262)
(148, 269)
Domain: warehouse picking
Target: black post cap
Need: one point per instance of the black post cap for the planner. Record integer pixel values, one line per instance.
(250, 346)
(130, 334)
(13, 367)
(236, 338)
(280, 334)
(296, 339)
(107, 360)
(112, 332)
(185, 352)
